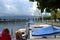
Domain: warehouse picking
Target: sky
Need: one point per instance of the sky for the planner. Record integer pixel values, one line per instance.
(18, 8)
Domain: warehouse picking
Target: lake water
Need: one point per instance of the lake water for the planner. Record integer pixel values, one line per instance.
(13, 26)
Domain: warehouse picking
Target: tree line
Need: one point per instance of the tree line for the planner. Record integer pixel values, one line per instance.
(51, 6)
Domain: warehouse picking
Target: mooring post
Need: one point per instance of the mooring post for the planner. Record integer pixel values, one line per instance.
(28, 30)
(12, 32)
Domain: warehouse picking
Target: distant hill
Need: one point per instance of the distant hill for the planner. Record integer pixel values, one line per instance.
(15, 17)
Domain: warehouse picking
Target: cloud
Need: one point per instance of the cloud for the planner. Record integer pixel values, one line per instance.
(16, 7)
(34, 6)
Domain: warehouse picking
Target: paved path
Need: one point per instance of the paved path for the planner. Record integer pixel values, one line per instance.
(44, 39)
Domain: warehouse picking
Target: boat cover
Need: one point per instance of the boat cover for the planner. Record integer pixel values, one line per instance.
(45, 31)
